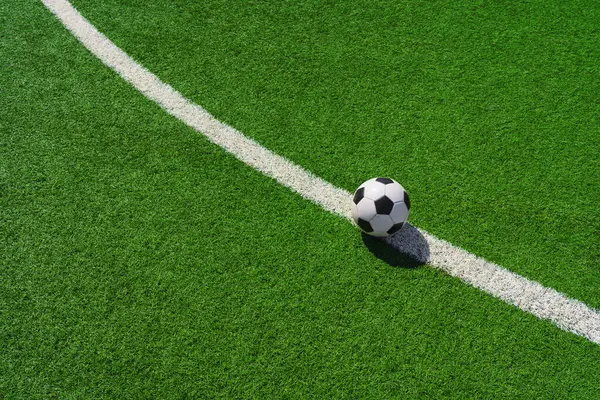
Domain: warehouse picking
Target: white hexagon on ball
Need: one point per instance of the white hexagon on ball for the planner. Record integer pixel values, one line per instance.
(365, 209)
(380, 207)
(374, 190)
(395, 192)
(399, 212)
(381, 223)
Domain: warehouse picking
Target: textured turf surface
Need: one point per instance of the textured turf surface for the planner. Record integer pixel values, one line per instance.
(139, 260)
(486, 112)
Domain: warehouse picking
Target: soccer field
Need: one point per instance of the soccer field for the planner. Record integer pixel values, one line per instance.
(141, 260)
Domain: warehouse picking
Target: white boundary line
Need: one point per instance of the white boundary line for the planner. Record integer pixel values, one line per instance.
(545, 303)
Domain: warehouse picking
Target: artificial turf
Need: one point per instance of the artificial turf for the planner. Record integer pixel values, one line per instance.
(486, 111)
(138, 260)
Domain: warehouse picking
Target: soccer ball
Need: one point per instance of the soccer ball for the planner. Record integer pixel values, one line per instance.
(380, 207)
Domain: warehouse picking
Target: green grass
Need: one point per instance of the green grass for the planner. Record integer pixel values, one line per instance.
(140, 261)
(486, 111)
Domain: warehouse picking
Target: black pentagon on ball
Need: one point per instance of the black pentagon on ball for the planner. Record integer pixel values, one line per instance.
(384, 205)
(365, 225)
(360, 193)
(395, 228)
(385, 181)
(406, 201)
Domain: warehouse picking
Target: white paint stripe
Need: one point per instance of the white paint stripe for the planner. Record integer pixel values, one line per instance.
(546, 303)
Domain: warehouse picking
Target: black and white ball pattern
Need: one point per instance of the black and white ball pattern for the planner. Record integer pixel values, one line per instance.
(380, 207)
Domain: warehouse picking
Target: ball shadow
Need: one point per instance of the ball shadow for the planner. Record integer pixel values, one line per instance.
(407, 248)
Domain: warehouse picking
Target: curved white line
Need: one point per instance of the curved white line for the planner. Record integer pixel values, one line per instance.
(545, 303)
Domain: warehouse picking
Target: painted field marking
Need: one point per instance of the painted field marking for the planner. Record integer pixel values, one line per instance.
(543, 302)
